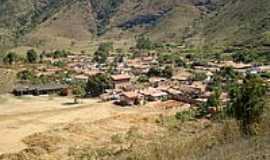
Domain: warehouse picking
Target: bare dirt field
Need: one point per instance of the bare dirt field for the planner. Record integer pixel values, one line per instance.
(32, 121)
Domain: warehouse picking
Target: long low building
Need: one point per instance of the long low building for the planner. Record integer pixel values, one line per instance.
(37, 90)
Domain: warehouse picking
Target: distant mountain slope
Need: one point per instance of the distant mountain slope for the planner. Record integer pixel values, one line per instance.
(236, 22)
(62, 23)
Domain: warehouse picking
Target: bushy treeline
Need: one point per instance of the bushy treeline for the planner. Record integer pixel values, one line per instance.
(32, 56)
(250, 56)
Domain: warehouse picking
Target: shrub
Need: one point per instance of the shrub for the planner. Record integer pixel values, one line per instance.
(32, 56)
(167, 72)
(144, 43)
(185, 115)
(143, 79)
(10, 58)
(199, 76)
(25, 75)
(171, 58)
(59, 64)
(117, 138)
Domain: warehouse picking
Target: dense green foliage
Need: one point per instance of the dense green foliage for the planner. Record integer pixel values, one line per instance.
(144, 43)
(25, 75)
(10, 58)
(166, 72)
(212, 102)
(143, 79)
(32, 56)
(60, 64)
(171, 58)
(102, 53)
(248, 102)
(251, 56)
(198, 76)
(228, 74)
(58, 54)
(97, 85)
(79, 89)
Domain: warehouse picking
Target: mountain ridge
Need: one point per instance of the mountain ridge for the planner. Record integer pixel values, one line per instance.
(195, 23)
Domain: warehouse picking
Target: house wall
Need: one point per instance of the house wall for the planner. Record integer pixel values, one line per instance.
(127, 101)
(120, 84)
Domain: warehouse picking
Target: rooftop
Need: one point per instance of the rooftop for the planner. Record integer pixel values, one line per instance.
(120, 77)
(130, 95)
(153, 92)
(21, 88)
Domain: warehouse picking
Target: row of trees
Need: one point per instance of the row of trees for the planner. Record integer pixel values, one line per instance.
(248, 57)
(32, 56)
(12, 58)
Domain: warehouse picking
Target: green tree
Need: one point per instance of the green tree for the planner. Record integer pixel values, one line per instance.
(154, 71)
(247, 102)
(32, 56)
(97, 85)
(171, 58)
(25, 75)
(167, 72)
(78, 91)
(179, 62)
(245, 57)
(60, 54)
(102, 53)
(119, 58)
(228, 73)
(143, 79)
(144, 43)
(10, 58)
(107, 46)
(212, 101)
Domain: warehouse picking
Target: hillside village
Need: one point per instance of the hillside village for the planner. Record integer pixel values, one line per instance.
(63, 98)
(129, 79)
(134, 80)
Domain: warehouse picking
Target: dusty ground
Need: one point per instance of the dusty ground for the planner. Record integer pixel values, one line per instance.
(29, 121)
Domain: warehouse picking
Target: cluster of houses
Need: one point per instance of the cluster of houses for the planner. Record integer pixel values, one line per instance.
(179, 87)
(159, 89)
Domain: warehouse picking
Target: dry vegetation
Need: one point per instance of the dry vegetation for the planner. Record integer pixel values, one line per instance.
(54, 130)
(7, 79)
(142, 133)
